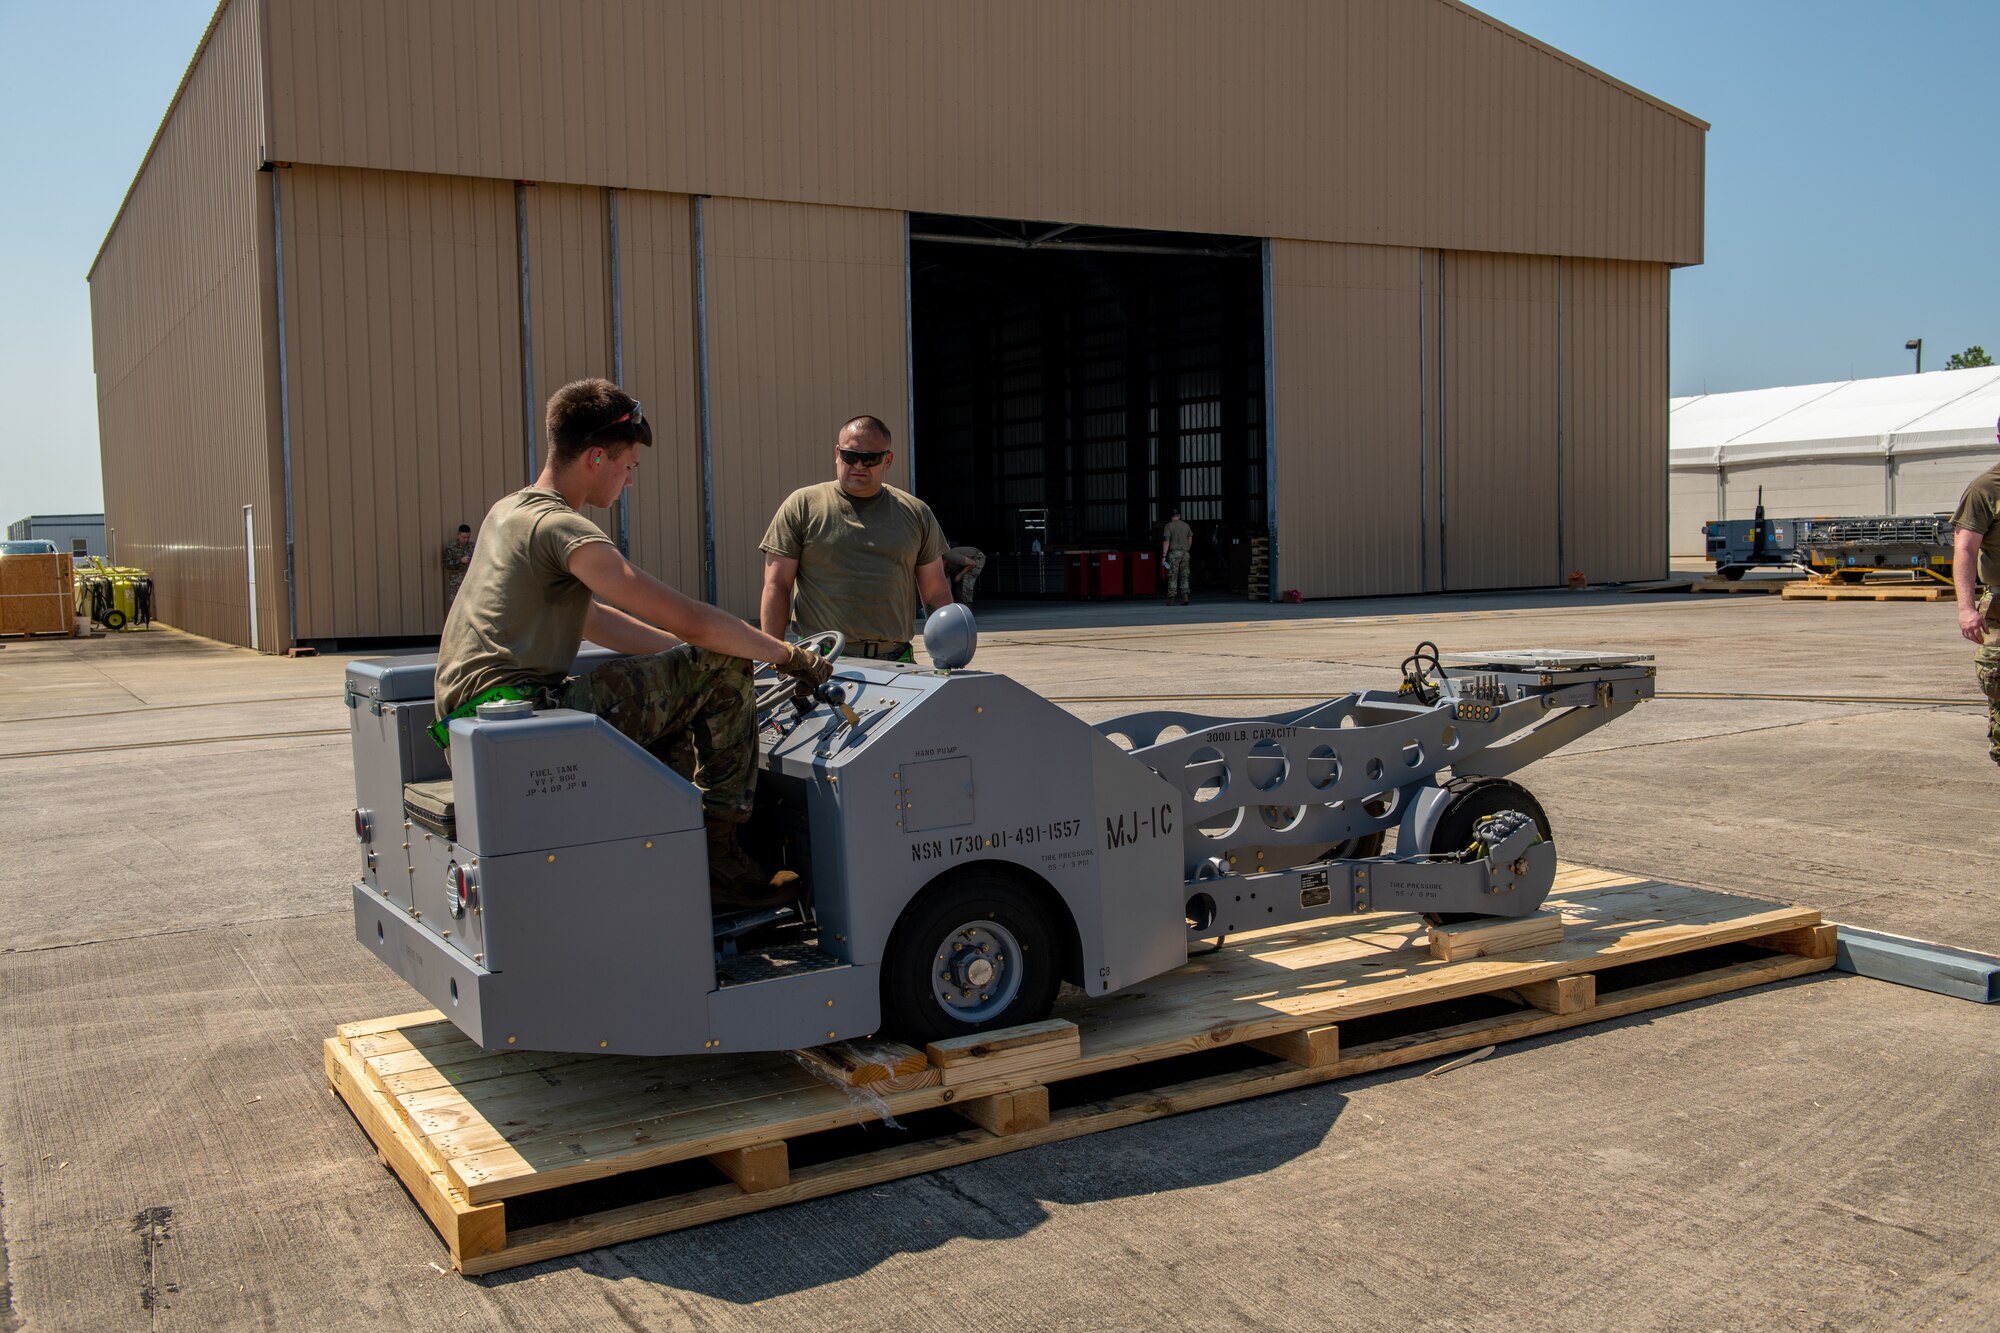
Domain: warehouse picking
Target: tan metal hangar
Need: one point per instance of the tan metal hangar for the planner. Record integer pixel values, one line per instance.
(1384, 281)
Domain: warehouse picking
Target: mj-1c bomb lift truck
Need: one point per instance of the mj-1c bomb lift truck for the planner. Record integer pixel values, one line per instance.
(964, 845)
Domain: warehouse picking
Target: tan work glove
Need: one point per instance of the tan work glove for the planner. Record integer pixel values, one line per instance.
(806, 665)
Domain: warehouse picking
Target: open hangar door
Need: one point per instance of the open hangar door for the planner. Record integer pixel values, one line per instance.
(1073, 385)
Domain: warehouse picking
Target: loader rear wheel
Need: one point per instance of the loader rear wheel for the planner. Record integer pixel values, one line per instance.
(972, 953)
(1469, 800)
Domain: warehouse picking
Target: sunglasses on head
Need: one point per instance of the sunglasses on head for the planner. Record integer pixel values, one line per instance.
(857, 458)
(635, 416)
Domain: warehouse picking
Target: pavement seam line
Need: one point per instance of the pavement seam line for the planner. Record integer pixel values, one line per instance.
(169, 934)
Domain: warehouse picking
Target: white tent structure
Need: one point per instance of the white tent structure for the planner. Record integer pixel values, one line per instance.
(1905, 444)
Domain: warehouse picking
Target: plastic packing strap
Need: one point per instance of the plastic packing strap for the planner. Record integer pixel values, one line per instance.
(865, 1103)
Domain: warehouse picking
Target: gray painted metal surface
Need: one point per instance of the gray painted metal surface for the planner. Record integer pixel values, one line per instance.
(284, 408)
(1270, 422)
(554, 893)
(528, 404)
(1933, 967)
(703, 398)
(618, 352)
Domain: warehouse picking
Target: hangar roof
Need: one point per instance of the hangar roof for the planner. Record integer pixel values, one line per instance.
(1384, 122)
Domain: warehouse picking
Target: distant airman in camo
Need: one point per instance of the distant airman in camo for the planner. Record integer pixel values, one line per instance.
(1176, 550)
(457, 559)
(1975, 573)
(962, 565)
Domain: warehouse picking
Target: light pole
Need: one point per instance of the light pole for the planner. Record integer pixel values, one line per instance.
(1916, 345)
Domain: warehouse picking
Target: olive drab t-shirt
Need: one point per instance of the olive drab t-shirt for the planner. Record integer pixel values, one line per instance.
(1178, 535)
(519, 616)
(857, 559)
(1977, 512)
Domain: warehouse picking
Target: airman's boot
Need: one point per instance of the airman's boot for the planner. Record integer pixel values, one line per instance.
(736, 882)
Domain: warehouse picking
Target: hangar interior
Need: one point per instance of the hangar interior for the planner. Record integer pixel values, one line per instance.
(1073, 385)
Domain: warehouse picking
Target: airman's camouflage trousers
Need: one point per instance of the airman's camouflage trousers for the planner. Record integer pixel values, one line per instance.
(693, 709)
(1986, 665)
(1177, 574)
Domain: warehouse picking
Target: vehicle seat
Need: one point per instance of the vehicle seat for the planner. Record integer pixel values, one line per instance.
(430, 805)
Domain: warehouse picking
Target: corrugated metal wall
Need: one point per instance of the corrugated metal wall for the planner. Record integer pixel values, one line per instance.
(569, 263)
(1351, 513)
(1369, 121)
(1497, 412)
(806, 318)
(403, 320)
(656, 278)
(1614, 419)
(1381, 349)
(177, 301)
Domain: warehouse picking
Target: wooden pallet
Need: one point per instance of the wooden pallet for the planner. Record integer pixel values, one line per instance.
(1868, 592)
(519, 1156)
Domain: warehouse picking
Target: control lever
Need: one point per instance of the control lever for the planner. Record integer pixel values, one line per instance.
(831, 694)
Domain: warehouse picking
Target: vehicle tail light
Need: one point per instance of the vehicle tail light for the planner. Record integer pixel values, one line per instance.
(459, 883)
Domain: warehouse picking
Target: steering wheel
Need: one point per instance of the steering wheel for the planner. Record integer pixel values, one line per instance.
(773, 687)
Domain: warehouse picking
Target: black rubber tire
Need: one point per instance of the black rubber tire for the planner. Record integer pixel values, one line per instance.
(1733, 572)
(909, 1009)
(1469, 800)
(114, 619)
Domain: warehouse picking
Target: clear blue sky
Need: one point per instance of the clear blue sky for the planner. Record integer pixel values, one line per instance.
(1851, 188)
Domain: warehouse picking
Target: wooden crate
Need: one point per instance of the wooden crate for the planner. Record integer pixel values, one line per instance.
(37, 595)
(517, 1156)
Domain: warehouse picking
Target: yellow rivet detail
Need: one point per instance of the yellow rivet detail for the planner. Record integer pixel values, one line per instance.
(510, 1041)
(978, 710)
(602, 1044)
(552, 856)
(829, 1036)
(649, 844)
(829, 1004)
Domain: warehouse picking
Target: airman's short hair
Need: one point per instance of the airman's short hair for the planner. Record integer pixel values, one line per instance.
(593, 412)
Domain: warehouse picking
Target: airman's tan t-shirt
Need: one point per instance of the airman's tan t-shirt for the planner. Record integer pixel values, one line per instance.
(1978, 510)
(857, 559)
(519, 616)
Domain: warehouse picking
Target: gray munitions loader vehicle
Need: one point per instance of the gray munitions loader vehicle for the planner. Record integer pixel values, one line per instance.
(964, 845)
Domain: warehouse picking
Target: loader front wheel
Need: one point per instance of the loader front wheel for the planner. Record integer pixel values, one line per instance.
(1469, 800)
(972, 953)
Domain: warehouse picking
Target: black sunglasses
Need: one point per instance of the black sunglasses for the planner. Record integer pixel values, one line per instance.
(635, 416)
(856, 458)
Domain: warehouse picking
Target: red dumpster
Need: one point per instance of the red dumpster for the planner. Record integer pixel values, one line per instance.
(1142, 573)
(1104, 574)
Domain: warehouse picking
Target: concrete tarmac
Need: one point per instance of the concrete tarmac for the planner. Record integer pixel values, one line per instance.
(175, 942)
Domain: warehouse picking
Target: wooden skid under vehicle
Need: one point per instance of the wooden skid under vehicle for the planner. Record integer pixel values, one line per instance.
(518, 1156)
